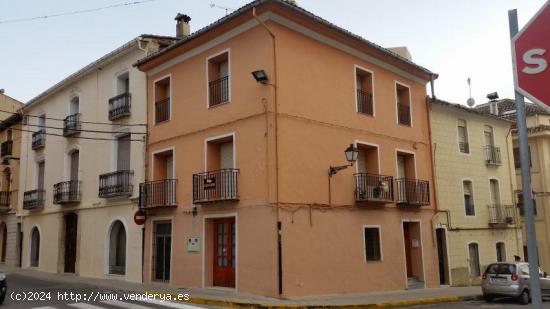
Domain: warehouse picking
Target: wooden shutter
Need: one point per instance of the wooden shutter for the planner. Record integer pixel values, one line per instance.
(123, 153)
(41, 167)
(74, 165)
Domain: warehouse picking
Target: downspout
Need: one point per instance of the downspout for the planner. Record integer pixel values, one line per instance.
(433, 149)
(512, 190)
(278, 219)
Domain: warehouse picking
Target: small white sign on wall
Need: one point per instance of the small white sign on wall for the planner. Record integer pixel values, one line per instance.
(415, 243)
(193, 244)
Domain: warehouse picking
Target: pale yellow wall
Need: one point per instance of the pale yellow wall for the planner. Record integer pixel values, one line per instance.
(96, 157)
(8, 103)
(451, 168)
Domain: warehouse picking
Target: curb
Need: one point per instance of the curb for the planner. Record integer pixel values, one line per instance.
(387, 304)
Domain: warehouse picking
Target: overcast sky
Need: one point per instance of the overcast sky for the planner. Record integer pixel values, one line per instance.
(455, 38)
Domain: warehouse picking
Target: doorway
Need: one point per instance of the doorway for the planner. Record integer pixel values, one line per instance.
(224, 252)
(4, 242)
(71, 228)
(443, 263)
(413, 252)
(162, 245)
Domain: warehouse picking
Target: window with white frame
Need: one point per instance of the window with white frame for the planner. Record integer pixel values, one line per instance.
(364, 91)
(463, 145)
(469, 207)
(218, 79)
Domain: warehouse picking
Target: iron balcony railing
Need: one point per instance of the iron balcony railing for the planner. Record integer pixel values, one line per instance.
(464, 147)
(117, 183)
(162, 110)
(218, 91)
(159, 193)
(72, 125)
(404, 114)
(39, 139)
(215, 186)
(373, 188)
(5, 199)
(413, 192)
(492, 155)
(6, 148)
(364, 102)
(119, 106)
(501, 214)
(66, 192)
(33, 199)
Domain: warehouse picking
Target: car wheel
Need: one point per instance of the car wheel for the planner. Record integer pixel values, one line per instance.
(488, 298)
(524, 297)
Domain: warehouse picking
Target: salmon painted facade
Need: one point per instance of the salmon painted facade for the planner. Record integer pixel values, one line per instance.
(238, 189)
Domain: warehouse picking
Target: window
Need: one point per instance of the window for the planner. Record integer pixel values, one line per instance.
(218, 79)
(372, 244)
(162, 98)
(403, 96)
(473, 254)
(517, 161)
(123, 153)
(117, 249)
(520, 205)
(501, 252)
(119, 105)
(463, 145)
(40, 175)
(468, 198)
(494, 192)
(364, 87)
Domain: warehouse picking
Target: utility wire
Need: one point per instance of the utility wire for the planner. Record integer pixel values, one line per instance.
(85, 130)
(18, 20)
(81, 137)
(89, 122)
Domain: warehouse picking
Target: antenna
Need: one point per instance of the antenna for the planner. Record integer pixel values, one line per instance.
(214, 5)
(471, 102)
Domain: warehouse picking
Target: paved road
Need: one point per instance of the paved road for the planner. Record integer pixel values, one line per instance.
(53, 294)
(499, 303)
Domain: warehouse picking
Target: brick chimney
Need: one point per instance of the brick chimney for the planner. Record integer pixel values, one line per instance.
(183, 28)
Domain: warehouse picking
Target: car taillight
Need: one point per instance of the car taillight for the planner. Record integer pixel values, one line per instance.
(514, 277)
(484, 276)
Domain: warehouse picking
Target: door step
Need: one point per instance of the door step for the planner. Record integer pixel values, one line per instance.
(414, 283)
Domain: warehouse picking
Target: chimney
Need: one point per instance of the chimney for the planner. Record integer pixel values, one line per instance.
(182, 26)
(402, 51)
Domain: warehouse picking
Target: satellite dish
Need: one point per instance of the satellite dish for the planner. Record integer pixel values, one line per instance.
(471, 102)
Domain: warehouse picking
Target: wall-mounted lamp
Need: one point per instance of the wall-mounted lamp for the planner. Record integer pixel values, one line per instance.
(351, 156)
(260, 76)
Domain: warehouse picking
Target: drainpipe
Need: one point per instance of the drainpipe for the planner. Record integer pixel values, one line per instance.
(432, 158)
(279, 223)
(512, 189)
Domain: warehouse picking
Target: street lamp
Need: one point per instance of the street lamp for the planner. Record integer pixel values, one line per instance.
(260, 76)
(351, 156)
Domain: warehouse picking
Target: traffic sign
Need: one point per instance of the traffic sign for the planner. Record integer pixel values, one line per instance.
(531, 58)
(140, 216)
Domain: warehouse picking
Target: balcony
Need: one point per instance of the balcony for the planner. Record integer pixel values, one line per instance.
(39, 139)
(364, 102)
(66, 192)
(115, 184)
(216, 186)
(373, 188)
(71, 125)
(34, 199)
(492, 155)
(218, 91)
(413, 192)
(501, 215)
(6, 148)
(159, 193)
(162, 110)
(404, 114)
(5, 199)
(119, 106)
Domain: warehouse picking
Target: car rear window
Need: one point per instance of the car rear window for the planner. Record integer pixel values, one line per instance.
(501, 269)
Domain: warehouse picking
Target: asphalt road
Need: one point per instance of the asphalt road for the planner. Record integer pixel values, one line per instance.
(499, 303)
(47, 294)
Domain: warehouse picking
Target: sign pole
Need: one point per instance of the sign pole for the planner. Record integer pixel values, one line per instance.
(530, 232)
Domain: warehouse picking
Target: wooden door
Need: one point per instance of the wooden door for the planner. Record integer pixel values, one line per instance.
(74, 165)
(70, 242)
(224, 252)
(407, 237)
(123, 153)
(41, 170)
(4, 242)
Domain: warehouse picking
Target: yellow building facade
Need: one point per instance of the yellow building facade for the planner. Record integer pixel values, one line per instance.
(477, 222)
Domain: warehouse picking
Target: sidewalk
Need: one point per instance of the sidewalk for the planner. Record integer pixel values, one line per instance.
(228, 298)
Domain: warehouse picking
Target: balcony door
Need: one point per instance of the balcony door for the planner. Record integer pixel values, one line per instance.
(74, 165)
(495, 194)
(123, 153)
(40, 176)
(226, 155)
(488, 136)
